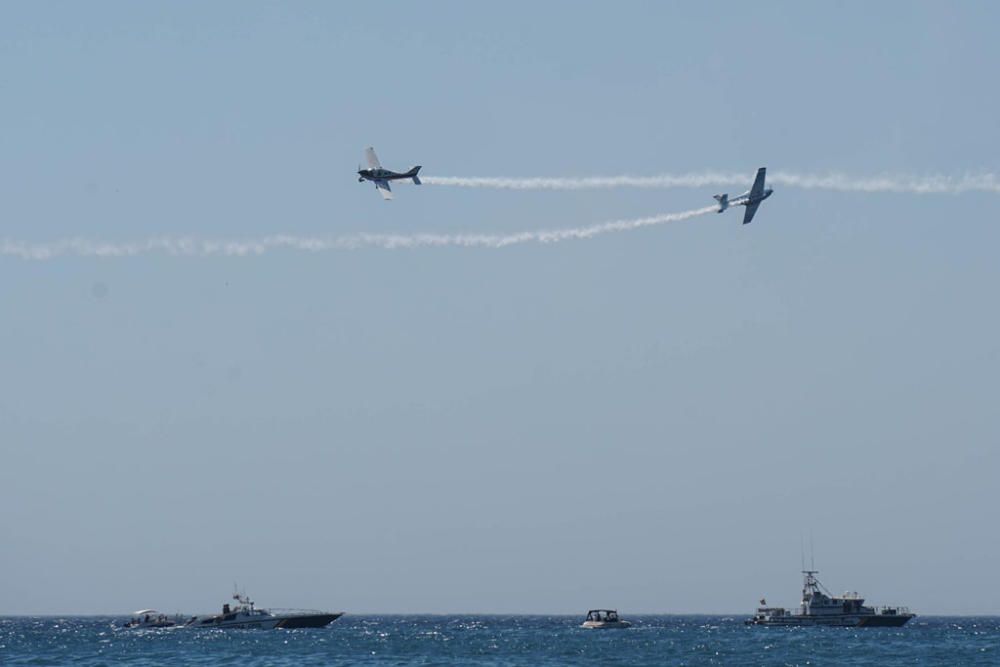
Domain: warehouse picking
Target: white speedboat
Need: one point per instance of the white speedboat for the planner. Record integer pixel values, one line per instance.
(600, 619)
(243, 614)
(149, 618)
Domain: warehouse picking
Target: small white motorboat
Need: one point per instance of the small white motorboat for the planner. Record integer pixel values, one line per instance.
(599, 619)
(149, 618)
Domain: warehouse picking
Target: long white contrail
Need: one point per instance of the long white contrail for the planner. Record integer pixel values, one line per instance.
(936, 184)
(189, 246)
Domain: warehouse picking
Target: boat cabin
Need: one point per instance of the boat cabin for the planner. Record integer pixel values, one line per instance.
(149, 618)
(603, 615)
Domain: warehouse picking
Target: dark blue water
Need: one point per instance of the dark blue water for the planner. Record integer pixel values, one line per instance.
(502, 640)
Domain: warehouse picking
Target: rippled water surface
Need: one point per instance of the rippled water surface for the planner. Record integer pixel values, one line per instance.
(501, 640)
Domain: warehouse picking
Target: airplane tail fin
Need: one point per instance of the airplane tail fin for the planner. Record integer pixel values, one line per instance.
(413, 174)
(723, 200)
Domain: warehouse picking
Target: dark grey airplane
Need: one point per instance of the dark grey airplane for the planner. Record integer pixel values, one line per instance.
(751, 198)
(381, 177)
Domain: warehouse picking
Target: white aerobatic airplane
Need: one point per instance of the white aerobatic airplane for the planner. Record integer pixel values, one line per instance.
(751, 198)
(381, 177)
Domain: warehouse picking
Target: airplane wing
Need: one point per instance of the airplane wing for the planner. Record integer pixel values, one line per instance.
(751, 209)
(384, 189)
(758, 183)
(373, 162)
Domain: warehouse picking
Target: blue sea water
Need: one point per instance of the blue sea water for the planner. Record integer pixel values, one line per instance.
(501, 640)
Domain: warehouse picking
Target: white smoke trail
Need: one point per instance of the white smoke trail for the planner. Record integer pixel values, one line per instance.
(188, 246)
(936, 184)
(921, 185)
(693, 180)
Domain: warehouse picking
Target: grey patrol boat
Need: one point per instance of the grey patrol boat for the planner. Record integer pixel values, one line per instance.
(820, 607)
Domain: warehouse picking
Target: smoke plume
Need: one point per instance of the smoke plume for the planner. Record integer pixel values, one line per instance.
(189, 246)
(936, 184)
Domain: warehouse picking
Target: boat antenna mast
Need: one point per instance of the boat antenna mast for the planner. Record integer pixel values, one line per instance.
(810, 583)
(242, 597)
(812, 552)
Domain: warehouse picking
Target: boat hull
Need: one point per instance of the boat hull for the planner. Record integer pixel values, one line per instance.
(147, 626)
(605, 625)
(867, 621)
(310, 621)
(885, 621)
(264, 622)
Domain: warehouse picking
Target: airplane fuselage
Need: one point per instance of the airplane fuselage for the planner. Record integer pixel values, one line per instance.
(380, 175)
(746, 199)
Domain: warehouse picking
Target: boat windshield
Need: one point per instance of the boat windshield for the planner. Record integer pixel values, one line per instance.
(602, 615)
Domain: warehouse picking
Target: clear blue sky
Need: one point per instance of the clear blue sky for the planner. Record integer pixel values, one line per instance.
(650, 420)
